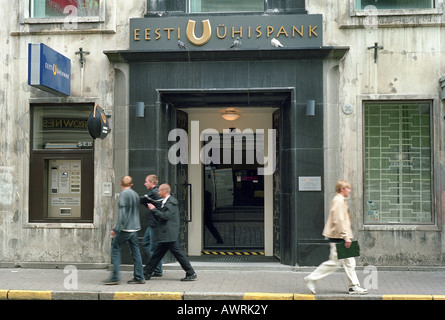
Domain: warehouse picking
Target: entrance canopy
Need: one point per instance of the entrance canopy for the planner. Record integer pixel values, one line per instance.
(130, 56)
(261, 97)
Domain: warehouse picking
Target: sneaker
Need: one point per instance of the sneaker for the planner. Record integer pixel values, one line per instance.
(110, 282)
(190, 277)
(135, 281)
(310, 285)
(357, 290)
(156, 275)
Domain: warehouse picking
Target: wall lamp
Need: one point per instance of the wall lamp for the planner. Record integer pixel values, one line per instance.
(140, 109)
(230, 114)
(310, 108)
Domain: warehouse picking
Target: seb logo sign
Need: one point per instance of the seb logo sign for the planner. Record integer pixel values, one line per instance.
(225, 32)
(49, 70)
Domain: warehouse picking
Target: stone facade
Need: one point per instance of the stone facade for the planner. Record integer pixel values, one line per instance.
(407, 68)
(21, 240)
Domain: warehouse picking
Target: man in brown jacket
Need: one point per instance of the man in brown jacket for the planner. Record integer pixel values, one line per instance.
(338, 230)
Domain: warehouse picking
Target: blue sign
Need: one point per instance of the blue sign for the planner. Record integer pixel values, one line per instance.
(49, 70)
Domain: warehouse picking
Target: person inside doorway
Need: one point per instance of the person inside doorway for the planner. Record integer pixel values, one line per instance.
(208, 217)
(167, 234)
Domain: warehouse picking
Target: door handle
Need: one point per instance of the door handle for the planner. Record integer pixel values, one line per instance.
(189, 187)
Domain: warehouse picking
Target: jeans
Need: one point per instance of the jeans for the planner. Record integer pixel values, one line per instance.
(330, 266)
(149, 244)
(118, 241)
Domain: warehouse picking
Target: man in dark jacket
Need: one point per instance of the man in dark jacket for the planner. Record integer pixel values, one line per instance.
(148, 241)
(167, 234)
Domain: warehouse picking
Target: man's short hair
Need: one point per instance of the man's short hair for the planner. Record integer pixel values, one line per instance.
(342, 184)
(165, 187)
(127, 181)
(153, 178)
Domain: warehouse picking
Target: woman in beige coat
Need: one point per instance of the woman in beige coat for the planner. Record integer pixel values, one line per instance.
(338, 230)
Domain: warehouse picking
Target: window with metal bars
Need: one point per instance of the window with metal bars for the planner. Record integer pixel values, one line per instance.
(398, 184)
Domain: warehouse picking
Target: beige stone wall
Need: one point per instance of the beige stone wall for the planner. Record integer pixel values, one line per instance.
(21, 241)
(408, 68)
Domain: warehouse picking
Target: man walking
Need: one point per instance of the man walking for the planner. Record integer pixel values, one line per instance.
(125, 230)
(338, 230)
(148, 241)
(167, 234)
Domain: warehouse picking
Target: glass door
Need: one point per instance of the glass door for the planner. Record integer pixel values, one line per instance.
(233, 197)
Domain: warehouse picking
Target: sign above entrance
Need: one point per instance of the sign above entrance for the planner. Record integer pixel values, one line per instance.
(234, 32)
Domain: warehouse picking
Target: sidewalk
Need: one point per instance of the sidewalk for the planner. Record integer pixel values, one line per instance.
(220, 281)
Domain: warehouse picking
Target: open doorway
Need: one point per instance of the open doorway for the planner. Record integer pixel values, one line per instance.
(234, 195)
(260, 207)
(242, 200)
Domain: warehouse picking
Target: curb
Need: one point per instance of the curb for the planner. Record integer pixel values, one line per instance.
(143, 295)
(28, 295)
(412, 297)
(135, 295)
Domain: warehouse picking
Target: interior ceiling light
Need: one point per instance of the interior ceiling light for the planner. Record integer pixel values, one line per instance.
(230, 114)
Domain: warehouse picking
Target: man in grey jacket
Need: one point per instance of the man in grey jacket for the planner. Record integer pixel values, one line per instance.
(167, 234)
(125, 230)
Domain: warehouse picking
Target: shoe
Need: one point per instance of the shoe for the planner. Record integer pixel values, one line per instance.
(310, 285)
(156, 275)
(110, 282)
(135, 281)
(190, 277)
(357, 290)
(147, 276)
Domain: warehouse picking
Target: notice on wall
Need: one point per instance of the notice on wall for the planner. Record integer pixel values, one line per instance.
(309, 183)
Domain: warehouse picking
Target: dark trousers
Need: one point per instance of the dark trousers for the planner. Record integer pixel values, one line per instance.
(161, 249)
(149, 244)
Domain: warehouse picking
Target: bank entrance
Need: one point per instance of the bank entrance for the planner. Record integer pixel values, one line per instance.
(234, 194)
(285, 213)
(237, 224)
(231, 188)
(293, 216)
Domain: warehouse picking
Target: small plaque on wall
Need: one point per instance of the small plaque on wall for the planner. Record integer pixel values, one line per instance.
(309, 183)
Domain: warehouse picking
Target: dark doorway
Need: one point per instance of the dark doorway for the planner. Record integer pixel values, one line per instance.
(233, 196)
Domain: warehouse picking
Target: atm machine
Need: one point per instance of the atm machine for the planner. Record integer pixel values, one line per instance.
(64, 188)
